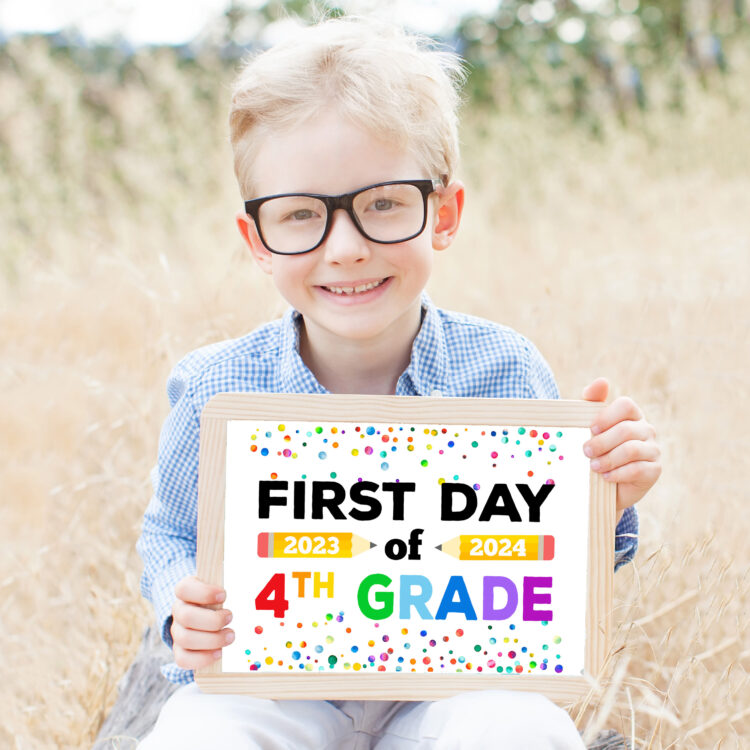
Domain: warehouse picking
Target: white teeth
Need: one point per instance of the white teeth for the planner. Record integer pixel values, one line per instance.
(354, 289)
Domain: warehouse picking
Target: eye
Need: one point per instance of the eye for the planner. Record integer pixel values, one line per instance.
(302, 214)
(383, 204)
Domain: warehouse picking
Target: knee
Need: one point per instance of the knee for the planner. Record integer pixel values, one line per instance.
(505, 719)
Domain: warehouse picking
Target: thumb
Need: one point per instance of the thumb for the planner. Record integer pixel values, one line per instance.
(596, 391)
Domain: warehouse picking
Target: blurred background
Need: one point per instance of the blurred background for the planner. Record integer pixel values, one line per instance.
(606, 152)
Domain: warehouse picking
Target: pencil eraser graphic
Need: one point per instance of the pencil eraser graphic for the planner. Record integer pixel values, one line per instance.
(265, 544)
(549, 547)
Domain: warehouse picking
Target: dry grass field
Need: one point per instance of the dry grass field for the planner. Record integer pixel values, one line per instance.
(627, 257)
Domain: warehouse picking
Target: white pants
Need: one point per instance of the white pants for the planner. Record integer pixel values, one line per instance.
(488, 720)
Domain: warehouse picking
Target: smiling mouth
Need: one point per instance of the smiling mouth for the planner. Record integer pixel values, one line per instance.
(359, 289)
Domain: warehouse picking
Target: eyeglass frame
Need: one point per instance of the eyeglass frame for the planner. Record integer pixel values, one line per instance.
(345, 201)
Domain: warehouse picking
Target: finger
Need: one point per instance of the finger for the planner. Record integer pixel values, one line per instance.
(632, 451)
(619, 410)
(614, 436)
(194, 591)
(194, 617)
(195, 659)
(200, 640)
(638, 472)
(597, 390)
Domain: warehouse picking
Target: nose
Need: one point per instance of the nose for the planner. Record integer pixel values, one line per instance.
(344, 243)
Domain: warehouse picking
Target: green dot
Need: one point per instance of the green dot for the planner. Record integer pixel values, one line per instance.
(553, 448)
(424, 462)
(304, 476)
(329, 617)
(528, 454)
(333, 475)
(318, 430)
(545, 647)
(477, 648)
(504, 440)
(532, 664)
(455, 477)
(521, 430)
(332, 659)
(557, 639)
(474, 443)
(559, 434)
(247, 651)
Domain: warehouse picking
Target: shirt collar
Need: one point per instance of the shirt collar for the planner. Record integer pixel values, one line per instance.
(428, 367)
(294, 375)
(425, 374)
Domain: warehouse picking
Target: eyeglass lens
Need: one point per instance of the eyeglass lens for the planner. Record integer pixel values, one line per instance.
(386, 213)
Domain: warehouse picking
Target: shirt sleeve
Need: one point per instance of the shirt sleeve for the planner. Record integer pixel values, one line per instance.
(539, 381)
(167, 543)
(626, 537)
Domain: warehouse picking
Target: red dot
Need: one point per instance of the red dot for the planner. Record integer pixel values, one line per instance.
(258, 629)
(519, 669)
(459, 632)
(533, 433)
(493, 454)
(381, 668)
(531, 473)
(385, 438)
(426, 660)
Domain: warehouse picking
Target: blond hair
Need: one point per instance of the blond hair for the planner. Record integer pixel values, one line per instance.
(401, 87)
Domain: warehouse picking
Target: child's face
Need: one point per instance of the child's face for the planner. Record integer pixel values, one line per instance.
(331, 156)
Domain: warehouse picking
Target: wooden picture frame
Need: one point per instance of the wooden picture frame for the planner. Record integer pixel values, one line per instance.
(441, 417)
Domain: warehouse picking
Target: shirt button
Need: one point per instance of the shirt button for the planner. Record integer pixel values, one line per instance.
(436, 393)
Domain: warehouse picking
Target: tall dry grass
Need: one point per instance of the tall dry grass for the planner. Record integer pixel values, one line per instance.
(628, 258)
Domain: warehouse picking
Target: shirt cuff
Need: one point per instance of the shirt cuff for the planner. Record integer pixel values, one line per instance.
(626, 537)
(162, 594)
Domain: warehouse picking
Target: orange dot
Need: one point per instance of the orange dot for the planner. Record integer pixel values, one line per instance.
(531, 473)
(274, 475)
(335, 445)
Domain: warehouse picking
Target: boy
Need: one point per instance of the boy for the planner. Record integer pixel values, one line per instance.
(345, 145)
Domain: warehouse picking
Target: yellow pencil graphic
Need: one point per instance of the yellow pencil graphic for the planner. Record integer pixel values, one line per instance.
(500, 547)
(303, 544)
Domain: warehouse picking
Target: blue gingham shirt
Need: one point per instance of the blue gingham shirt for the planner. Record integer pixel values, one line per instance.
(453, 355)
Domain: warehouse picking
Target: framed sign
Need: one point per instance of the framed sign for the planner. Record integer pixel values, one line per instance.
(384, 547)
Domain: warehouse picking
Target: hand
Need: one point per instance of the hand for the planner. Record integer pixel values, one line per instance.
(198, 631)
(624, 448)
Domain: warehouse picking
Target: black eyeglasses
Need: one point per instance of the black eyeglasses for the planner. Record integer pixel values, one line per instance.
(387, 213)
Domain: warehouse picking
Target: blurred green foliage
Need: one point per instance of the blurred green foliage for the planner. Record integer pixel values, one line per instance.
(584, 58)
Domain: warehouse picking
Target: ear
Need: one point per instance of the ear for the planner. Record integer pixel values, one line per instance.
(249, 233)
(450, 205)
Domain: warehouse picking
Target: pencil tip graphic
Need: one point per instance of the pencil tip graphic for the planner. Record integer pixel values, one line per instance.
(372, 544)
(440, 547)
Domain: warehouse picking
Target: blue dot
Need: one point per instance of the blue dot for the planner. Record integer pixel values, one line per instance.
(322, 455)
(296, 655)
(268, 434)
(318, 649)
(558, 668)
(355, 649)
(264, 451)
(423, 632)
(384, 466)
(450, 443)
(370, 430)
